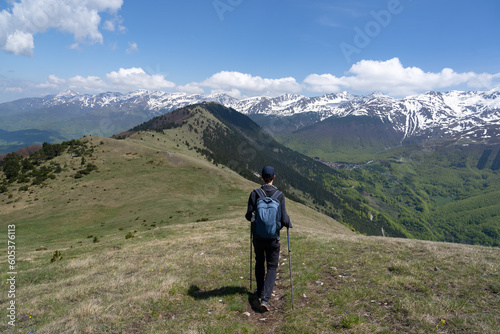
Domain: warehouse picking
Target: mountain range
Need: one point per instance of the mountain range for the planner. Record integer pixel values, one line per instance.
(456, 114)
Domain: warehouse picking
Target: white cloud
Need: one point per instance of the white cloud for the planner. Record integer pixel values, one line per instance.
(109, 25)
(389, 77)
(228, 81)
(134, 78)
(132, 47)
(52, 82)
(392, 78)
(90, 83)
(232, 83)
(236, 93)
(20, 43)
(75, 46)
(13, 89)
(323, 83)
(121, 80)
(26, 18)
(116, 23)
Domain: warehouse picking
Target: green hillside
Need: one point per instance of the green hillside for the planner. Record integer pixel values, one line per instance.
(228, 138)
(435, 193)
(349, 139)
(438, 190)
(186, 268)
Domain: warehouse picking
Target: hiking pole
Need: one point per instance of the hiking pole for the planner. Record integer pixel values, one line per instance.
(290, 260)
(251, 241)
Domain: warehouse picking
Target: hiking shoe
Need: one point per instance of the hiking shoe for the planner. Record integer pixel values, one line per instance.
(264, 306)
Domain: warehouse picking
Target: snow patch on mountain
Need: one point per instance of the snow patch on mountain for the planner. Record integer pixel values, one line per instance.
(451, 112)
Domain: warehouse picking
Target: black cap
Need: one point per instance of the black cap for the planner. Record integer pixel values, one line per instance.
(267, 172)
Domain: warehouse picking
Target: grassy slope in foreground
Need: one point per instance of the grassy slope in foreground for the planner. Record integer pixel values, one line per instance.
(185, 275)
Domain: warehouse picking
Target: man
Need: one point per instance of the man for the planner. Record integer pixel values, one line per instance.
(266, 249)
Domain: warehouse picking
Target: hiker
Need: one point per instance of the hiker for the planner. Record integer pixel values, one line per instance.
(267, 246)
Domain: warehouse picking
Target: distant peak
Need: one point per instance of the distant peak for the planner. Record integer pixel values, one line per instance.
(140, 92)
(67, 93)
(217, 95)
(291, 96)
(378, 94)
(109, 94)
(342, 95)
(433, 93)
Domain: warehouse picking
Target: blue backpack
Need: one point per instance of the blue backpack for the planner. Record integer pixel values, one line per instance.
(268, 215)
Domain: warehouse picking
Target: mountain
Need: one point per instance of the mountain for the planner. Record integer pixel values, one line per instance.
(70, 115)
(455, 114)
(229, 138)
(349, 139)
(411, 191)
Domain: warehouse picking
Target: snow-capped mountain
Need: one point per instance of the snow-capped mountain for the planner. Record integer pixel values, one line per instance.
(434, 114)
(455, 113)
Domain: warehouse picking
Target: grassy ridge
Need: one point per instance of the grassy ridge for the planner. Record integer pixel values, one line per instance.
(124, 169)
(186, 268)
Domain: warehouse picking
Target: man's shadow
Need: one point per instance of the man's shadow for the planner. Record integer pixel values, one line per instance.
(198, 294)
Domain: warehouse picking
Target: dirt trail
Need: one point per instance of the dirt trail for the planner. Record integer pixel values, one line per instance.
(266, 322)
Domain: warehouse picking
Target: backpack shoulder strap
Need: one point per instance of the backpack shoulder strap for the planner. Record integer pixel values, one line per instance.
(276, 194)
(260, 193)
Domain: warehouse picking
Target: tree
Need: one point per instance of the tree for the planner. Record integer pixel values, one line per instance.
(11, 166)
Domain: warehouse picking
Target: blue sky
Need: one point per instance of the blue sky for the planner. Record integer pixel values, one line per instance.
(248, 48)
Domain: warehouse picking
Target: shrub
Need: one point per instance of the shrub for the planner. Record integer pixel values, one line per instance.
(129, 235)
(57, 256)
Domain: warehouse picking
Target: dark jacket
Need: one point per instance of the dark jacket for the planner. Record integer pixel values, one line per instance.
(269, 190)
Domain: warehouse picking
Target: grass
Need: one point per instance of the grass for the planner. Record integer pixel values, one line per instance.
(378, 284)
(189, 272)
(194, 278)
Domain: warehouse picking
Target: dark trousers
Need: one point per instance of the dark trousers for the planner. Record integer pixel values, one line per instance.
(266, 250)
